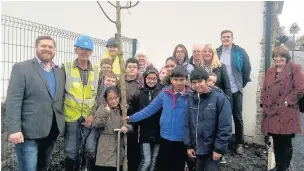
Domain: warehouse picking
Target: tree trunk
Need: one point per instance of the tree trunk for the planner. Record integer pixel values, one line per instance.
(122, 78)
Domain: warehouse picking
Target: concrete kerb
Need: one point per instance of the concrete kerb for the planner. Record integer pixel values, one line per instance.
(271, 159)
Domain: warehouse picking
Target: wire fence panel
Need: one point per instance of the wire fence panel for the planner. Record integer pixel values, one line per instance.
(18, 44)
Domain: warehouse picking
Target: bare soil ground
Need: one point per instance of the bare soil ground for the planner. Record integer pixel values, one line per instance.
(254, 159)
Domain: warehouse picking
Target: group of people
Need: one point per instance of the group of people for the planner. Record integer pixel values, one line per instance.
(180, 116)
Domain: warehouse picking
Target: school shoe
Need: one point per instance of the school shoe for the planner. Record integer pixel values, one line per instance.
(223, 160)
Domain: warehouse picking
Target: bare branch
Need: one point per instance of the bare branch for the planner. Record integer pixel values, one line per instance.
(130, 6)
(129, 11)
(105, 13)
(111, 4)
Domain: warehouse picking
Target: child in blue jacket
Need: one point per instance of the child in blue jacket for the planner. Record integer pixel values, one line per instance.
(208, 121)
(173, 101)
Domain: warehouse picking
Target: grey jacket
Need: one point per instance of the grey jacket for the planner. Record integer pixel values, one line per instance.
(29, 105)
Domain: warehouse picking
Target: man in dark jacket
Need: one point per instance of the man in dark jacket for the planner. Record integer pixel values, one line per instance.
(208, 123)
(149, 130)
(238, 67)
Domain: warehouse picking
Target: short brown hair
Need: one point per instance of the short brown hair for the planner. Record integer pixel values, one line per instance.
(226, 31)
(111, 75)
(44, 38)
(106, 61)
(281, 51)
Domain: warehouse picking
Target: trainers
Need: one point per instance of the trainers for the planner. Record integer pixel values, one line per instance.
(240, 149)
(223, 160)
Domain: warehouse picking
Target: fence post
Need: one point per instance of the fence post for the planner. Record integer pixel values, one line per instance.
(134, 46)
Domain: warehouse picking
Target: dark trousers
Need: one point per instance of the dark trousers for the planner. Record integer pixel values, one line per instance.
(282, 146)
(206, 163)
(237, 108)
(75, 136)
(36, 154)
(133, 153)
(172, 155)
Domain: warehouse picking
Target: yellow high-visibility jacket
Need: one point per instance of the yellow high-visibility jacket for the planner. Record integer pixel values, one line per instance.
(79, 98)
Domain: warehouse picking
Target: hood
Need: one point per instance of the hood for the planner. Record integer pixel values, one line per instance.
(145, 75)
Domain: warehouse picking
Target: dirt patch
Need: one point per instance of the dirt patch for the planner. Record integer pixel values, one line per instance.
(254, 159)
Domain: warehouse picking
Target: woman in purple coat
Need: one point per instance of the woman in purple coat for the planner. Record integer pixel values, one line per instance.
(282, 89)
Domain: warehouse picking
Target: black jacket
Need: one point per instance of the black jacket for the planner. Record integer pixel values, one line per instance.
(223, 80)
(149, 130)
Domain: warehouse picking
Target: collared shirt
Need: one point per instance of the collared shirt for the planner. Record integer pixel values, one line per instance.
(42, 65)
(182, 92)
(84, 73)
(226, 59)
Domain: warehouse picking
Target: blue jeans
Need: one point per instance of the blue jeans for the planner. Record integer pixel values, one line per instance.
(149, 152)
(73, 139)
(36, 154)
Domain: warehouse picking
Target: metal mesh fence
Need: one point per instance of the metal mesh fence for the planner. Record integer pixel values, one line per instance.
(18, 44)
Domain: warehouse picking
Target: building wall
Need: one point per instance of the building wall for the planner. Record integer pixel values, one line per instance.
(159, 26)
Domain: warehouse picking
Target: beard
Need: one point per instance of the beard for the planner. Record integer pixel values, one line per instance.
(45, 56)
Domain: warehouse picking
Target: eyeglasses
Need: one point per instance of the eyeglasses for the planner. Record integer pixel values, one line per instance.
(112, 99)
(180, 51)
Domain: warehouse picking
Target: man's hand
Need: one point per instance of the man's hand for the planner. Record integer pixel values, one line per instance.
(127, 118)
(191, 153)
(16, 138)
(88, 122)
(216, 156)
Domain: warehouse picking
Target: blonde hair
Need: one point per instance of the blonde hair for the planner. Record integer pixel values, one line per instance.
(215, 62)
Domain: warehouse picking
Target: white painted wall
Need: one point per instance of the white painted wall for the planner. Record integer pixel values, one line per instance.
(159, 26)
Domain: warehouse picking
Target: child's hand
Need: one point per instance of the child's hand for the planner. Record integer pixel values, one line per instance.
(124, 129)
(191, 153)
(127, 118)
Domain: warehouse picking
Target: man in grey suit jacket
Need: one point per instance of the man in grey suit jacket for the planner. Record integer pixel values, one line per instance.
(34, 107)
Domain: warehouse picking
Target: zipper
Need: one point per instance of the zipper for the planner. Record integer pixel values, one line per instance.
(199, 100)
(82, 100)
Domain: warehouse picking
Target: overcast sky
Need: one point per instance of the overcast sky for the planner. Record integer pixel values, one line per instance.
(293, 12)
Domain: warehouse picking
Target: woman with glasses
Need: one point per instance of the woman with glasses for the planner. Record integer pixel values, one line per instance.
(181, 54)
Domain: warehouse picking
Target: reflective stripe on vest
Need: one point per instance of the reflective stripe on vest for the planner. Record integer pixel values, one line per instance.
(79, 99)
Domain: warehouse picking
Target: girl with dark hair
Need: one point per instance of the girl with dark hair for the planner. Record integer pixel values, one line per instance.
(171, 63)
(107, 118)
